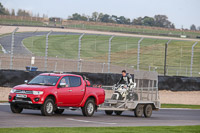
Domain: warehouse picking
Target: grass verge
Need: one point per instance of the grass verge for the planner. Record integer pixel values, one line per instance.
(180, 106)
(3, 101)
(160, 129)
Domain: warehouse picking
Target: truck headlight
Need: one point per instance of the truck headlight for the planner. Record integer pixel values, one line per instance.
(12, 90)
(38, 92)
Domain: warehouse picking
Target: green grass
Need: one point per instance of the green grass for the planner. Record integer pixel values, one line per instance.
(123, 51)
(156, 129)
(21, 22)
(1, 52)
(138, 30)
(3, 101)
(180, 106)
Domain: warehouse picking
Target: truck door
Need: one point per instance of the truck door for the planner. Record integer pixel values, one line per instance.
(77, 90)
(64, 93)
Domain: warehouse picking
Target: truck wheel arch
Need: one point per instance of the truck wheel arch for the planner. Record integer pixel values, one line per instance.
(52, 97)
(90, 97)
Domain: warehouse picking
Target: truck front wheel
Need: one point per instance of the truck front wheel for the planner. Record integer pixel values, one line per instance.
(89, 108)
(15, 108)
(47, 108)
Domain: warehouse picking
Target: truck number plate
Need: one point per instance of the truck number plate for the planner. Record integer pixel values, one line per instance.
(21, 96)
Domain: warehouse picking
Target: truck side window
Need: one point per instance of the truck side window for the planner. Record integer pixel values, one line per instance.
(74, 81)
(65, 80)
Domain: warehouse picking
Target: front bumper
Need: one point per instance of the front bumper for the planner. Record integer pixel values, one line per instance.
(30, 99)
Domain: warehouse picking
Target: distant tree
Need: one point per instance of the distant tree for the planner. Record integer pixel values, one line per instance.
(7, 12)
(77, 16)
(123, 20)
(2, 10)
(198, 28)
(45, 16)
(13, 12)
(105, 18)
(85, 17)
(193, 27)
(157, 20)
(100, 17)
(114, 18)
(137, 21)
(38, 15)
(148, 21)
(95, 16)
(172, 26)
(24, 13)
(162, 21)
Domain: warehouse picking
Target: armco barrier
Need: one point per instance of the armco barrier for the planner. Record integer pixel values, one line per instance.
(10, 78)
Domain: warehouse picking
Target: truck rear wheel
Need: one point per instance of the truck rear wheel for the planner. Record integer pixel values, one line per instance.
(89, 108)
(118, 112)
(148, 110)
(108, 112)
(59, 111)
(138, 111)
(15, 108)
(47, 108)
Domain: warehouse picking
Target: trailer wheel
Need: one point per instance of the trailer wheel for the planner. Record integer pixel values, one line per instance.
(138, 111)
(118, 112)
(148, 110)
(108, 112)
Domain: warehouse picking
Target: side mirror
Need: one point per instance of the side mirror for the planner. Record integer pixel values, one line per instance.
(25, 81)
(87, 83)
(62, 85)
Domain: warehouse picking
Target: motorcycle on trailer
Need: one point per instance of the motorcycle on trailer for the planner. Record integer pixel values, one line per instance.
(142, 96)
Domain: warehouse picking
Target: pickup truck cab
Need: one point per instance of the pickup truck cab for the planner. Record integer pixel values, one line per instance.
(52, 93)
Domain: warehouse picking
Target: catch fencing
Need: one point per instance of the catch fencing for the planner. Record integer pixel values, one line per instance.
(80, 52)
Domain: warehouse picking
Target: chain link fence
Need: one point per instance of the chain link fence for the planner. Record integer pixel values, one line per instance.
(72, 52)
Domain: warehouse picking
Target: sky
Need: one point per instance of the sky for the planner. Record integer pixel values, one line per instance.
(180, 12)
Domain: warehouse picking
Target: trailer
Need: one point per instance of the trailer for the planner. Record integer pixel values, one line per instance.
(142, 99)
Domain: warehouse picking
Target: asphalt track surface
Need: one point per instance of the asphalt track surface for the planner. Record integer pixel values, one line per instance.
(19, 48)
(33, 118)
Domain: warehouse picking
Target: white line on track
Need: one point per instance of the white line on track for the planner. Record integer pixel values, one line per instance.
(96, 122)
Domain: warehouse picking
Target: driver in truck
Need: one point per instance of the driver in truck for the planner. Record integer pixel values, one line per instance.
(125, 79)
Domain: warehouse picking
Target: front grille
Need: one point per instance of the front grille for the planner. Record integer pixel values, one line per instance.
(22, 99)
(24, 92)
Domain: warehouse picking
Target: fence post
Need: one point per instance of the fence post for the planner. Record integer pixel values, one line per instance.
(12, 47)
(95, 42)
(79, 52)
(192, 57)
(109, 52)
(165, 61)
(138, 54)
(46, 51)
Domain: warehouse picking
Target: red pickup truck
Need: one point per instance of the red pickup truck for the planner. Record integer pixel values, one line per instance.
(52, 93)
